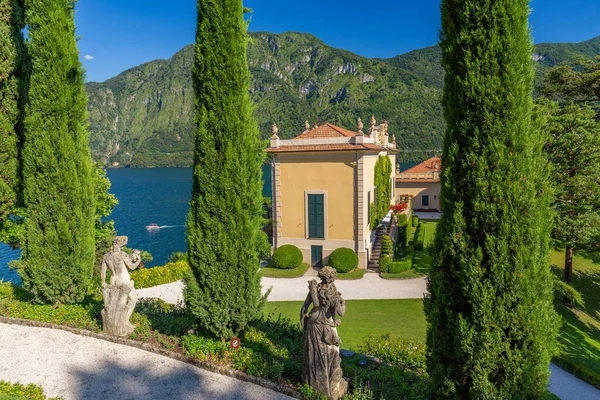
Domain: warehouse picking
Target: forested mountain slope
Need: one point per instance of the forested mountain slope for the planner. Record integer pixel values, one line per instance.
(143, 116)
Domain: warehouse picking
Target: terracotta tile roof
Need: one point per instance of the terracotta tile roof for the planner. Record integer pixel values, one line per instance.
(325, 147)
(425, 166)
(326, 131)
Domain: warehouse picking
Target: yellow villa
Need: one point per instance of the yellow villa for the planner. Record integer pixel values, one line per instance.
(323, 186)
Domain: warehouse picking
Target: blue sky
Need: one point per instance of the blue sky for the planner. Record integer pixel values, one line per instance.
(121, 34)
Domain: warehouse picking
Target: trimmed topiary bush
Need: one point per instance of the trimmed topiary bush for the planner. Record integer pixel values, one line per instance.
(287, 256)
(415, 220)
(343, 260)
(420, 236)
(386, 245)
(388, 266)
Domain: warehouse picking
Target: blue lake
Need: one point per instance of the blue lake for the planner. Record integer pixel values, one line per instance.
(146, 196)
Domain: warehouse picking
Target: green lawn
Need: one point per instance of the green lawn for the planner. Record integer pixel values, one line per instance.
(356, 273)
(580, 333)
(285, 273)
(403, 318)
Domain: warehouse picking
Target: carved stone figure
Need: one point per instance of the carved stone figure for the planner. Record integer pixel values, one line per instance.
(306, 126)
(119, 295)
(321, 362)
(360, 125)
(275, 130)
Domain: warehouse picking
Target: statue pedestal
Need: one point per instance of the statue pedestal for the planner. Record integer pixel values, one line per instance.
(119, 302)
(339, 388)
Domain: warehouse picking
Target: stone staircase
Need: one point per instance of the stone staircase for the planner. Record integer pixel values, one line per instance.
(373, 264)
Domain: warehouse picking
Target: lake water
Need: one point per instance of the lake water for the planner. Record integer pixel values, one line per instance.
(146, 196)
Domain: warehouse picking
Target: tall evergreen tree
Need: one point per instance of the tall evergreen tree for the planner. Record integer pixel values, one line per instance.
(579, 83)
(491, 324)
(224, 224)
(58, 248)
(573, 149)
(383, 173)
(13, 83)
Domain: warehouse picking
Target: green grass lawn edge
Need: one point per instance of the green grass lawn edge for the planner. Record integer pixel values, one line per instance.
(271, 272)
(356, 273)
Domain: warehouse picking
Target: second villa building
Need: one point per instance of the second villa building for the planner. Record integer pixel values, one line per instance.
(323, 188)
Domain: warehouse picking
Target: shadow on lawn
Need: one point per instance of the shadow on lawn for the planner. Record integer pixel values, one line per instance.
(574, 337)
(582, 326)
(588, 283)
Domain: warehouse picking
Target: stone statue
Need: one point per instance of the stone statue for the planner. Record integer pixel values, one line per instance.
(373, 121)
(321, 362)
(119, 295)
(360, 125)
(275, 130)
(306, 126)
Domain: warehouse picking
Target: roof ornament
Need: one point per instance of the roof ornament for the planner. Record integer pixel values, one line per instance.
(306, 126)
(373, 121)
(275, 131)
(316, 125)
(360, 125)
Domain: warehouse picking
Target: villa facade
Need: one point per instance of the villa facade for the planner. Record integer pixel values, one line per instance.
(422, 183)
(323, 188)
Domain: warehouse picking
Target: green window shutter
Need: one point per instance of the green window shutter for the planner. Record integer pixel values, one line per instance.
(316, 216)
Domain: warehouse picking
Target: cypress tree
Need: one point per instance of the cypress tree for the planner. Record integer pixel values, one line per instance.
(491, 325)
(58, 248)
(224, 224)
(383, 172)
(13, 81)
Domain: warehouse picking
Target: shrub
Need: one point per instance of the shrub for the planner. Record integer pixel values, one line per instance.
(178, 256)
(398, 351)
(287, 256)
(415, 220)
(386, 245)
(420, 236)
(401, 236)
(168, 273)
(386, 265)
(386, 381)
(398, 208)
(343, 260)
(18, 391)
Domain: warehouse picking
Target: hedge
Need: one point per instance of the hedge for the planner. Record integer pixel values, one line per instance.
(287, 256)
(343, 260)
(402, 261)
(168, 273)
(386, 245)
(386, 265)
(420, 236)
(415, 220)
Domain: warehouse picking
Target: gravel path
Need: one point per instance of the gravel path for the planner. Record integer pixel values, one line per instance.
(371, 286)
(568, 387)
(80, 367)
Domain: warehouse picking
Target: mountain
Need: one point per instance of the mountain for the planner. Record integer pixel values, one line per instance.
(144, 116)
